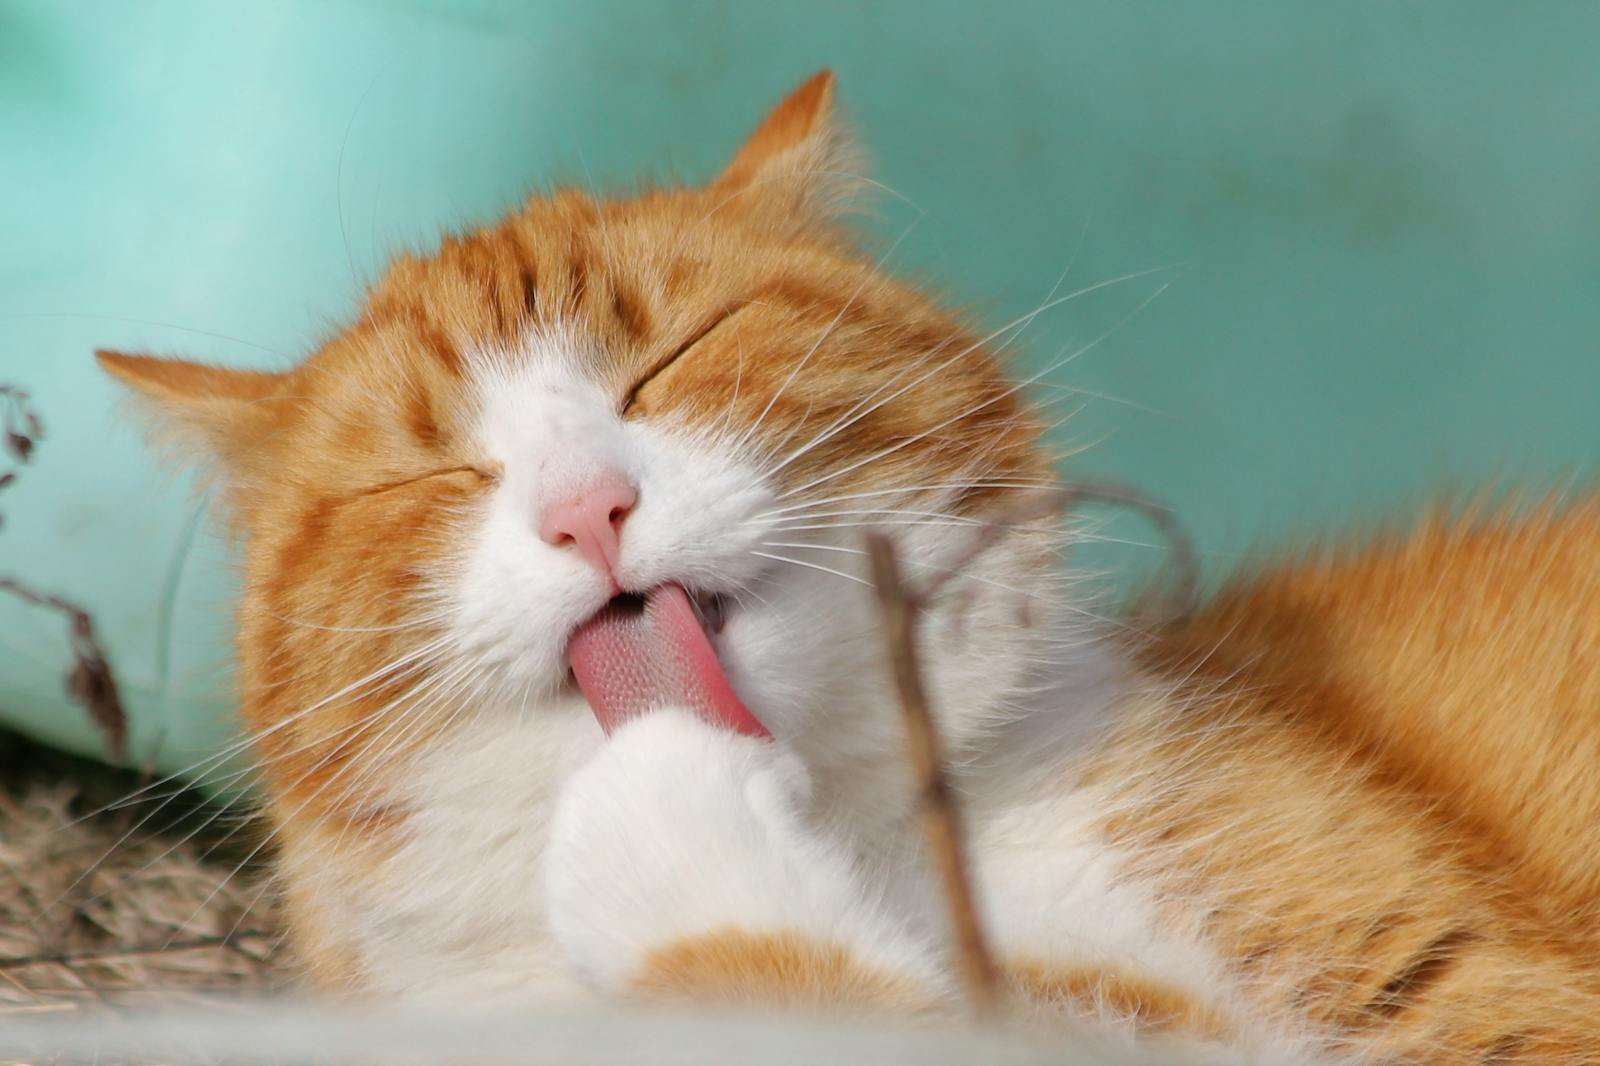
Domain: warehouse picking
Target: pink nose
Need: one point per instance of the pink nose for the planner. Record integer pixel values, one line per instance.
(592, 521)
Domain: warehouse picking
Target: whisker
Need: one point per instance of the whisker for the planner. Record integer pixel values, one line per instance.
(338, 181)
(965, 523)
(998, 481)
(907, 562)
(418, 623)
(811, 566)
(893, 512)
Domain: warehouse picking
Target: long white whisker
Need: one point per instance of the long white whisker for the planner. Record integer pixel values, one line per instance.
(811, 566)
(893, 512)
(997, 481)
(880, 523)
(401, 627)
(738, 380)
(908, 562)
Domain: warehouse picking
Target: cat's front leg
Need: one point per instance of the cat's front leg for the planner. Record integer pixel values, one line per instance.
(681, 864)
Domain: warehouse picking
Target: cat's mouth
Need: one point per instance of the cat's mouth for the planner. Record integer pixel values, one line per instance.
(645, 652)
(711, 608)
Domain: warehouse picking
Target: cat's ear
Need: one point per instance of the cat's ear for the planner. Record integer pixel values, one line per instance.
(802, 159)
(221, 414)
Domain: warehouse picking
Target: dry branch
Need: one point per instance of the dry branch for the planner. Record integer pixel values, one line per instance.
(227, 940)
(91, 681)
(1186, 579)
(901, 608)
(21, 429)
(940, 820)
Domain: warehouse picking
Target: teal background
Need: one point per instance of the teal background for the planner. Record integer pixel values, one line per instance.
(1387, 216)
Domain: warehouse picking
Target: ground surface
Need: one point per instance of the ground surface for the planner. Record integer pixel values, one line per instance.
(99, 911)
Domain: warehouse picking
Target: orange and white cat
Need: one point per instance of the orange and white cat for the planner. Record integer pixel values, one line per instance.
(1348, 811)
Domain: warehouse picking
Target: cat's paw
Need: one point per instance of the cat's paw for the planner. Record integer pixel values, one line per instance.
(677, 829)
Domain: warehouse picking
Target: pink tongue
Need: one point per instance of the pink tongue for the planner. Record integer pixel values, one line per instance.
(630, 660)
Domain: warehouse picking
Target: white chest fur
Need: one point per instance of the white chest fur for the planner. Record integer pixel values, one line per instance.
(457, 916)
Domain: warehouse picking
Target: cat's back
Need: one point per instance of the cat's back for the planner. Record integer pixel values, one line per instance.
(1379, 769)
(1462, 658)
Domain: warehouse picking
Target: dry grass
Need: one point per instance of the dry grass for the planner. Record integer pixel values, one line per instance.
(90, 921)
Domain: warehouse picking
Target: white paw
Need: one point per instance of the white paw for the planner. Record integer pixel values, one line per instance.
(677, 829)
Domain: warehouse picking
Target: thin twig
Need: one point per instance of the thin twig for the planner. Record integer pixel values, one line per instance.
(21, 429)
(91, 682)
(1035, 504)
(1186, 580)
(902, 608)
(68, 958)
(1024, 506)
(940, 821)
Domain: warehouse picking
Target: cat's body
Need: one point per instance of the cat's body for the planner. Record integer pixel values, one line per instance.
(1349, 809)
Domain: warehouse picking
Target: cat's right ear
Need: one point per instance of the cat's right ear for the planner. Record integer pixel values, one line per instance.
(206, 412)
(802, 160)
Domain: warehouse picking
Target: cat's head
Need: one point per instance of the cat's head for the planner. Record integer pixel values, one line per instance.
(711, 386)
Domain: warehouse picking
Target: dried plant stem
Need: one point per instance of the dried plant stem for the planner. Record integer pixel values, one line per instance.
(1186, 567)
(17, 962)
(902, 608)
(940, 820)
(91, 682)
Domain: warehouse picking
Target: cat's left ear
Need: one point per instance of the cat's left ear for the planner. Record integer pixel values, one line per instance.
(208, 412)
(802, 160)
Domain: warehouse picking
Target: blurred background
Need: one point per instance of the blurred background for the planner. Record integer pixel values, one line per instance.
(1383, 222)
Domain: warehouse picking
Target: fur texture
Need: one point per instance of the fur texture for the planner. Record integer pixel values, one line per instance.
(1349, 811)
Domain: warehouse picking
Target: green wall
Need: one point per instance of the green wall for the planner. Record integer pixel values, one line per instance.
(1387, 218)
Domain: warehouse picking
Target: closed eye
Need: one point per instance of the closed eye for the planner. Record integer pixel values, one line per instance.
(677, 353)
(481, 473)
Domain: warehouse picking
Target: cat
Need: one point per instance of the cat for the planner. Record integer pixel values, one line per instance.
(1348, 810)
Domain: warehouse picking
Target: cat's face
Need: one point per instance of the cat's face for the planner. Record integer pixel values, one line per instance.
(702, 386)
